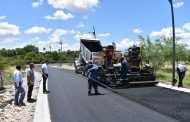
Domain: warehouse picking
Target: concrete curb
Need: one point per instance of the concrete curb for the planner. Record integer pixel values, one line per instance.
(42, 113)
(173, 87)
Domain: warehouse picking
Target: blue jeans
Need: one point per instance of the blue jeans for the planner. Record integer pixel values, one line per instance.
(19, 92)
(94, 84)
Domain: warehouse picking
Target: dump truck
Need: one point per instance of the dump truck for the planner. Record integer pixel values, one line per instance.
(90, 50)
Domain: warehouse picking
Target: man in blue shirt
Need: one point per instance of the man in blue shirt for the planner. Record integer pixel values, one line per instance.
(19, 89)
(124, 69)
(93, 74)
(45, 75)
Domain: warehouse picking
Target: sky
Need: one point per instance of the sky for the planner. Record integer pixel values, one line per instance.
(43, 23)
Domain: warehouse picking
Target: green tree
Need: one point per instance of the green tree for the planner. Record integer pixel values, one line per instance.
(2, 68)
(31, 48)
(30, 56)
(39, 58)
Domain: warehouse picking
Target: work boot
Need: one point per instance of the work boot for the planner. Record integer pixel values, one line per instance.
(97, 93)
(89, 93)
(22, 104)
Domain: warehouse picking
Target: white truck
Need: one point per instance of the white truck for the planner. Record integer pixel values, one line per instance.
(90, 50)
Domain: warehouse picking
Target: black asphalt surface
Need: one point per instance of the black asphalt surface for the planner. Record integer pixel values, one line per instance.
(69, 102)
(169, 102)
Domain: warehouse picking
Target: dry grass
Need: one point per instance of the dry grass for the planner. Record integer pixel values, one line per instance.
(166, 74)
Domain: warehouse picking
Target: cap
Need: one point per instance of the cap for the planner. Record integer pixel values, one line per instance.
(100, 67)
(32, 65)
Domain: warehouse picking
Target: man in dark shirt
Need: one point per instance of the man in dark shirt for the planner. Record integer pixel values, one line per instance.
(30, 82)
(93, 74)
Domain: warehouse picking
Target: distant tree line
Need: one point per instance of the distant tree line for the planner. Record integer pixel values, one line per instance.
(30, 53)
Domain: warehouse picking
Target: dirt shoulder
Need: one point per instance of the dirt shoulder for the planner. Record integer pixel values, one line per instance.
(11, 113)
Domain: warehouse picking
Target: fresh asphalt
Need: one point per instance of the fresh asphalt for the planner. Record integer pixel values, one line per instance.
(163, 100)
(69, 102)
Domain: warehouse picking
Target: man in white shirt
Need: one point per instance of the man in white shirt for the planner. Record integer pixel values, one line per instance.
(19, 89)
(181, 73)
(45, 75)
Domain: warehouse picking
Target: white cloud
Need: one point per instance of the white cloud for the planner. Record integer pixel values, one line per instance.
(8, 29)
(179, 4)
(74, 47)
(85, 17)
(187, 26)
(78, 36)
(155, 33)
(79, 6)
(3, 17)
(57, 34)
(183, 33)
(66, 46)
(167, 32)
(137, 31)
(104, 35)
(80, 25)
(8, 39)
(72, 31)
(59, 15)
(124, 44)
(37, 4)
(38, 30)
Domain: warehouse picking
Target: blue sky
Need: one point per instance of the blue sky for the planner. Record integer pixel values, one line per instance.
(44, 22)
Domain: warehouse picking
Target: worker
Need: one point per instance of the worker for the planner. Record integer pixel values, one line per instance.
(181, 73)
(123, 74)
(90, 64)
(93, 78)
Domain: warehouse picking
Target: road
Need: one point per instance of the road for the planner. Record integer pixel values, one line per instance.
(69, 102)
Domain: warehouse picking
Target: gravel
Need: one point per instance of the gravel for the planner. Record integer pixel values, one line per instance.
(11, 113)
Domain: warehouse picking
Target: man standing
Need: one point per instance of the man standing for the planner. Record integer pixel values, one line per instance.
(45, 75)
(181, 73)
(124, 69)
(30, 81)
(19, 89)
(93, 74)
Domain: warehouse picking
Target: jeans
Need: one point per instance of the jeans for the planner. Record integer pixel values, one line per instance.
(30, 89)
(181, 77)
(44, 82)
(19, 92)
(94, 84)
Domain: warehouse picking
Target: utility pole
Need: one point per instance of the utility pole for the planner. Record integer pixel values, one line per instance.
(44, 49)
(61, 52)
(93, 32)
(174, 52)
(49, 47)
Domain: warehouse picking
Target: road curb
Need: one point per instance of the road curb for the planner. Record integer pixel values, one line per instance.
(173, 87)
(42, 113)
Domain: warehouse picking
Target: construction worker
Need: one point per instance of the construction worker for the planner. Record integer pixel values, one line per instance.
(181, 73)
(93, 79)
(123, 74)
(90, 64)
